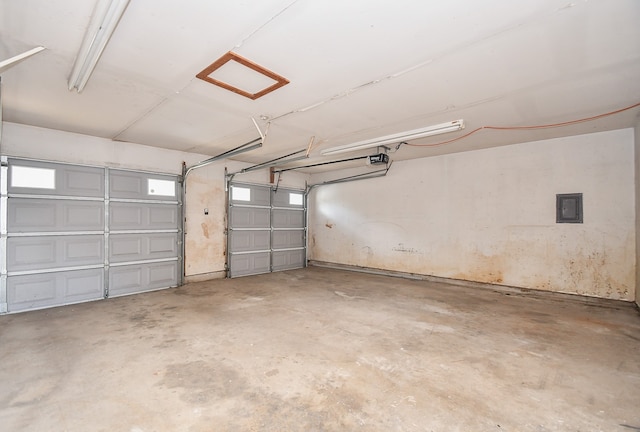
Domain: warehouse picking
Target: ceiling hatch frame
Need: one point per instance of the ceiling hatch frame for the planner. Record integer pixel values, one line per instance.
(231, 56)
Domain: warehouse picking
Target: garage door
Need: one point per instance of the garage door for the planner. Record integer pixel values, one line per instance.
(76, 233)
(267, 229)
(144, 232)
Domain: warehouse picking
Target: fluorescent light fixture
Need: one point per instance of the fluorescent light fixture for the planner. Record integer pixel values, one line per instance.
(105, 18)
(438, 129)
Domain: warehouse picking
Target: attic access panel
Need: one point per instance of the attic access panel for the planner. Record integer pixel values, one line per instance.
(263, 79)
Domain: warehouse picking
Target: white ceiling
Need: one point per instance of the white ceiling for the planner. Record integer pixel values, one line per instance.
(357, 69)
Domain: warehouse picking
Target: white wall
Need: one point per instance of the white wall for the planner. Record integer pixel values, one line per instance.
(637, 183)
(48, 144)
(205, 239)
(489, 216)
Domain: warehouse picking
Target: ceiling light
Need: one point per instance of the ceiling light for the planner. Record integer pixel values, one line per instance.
(438, 129)
(105, 18)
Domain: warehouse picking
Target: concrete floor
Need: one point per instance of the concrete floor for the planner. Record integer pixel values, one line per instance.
(323, 350)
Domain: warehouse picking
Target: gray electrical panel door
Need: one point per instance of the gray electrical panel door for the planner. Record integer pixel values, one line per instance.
(267, 229)
(74, 233)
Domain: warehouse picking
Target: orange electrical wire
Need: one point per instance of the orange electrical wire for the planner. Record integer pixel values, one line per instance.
(545, 126)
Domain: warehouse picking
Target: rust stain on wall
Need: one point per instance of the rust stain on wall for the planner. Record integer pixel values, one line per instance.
(481, 275)
(205, 229)
(483, 268)
(592, 265)
(596, 273)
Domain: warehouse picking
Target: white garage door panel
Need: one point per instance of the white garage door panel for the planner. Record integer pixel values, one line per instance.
(135, 216)
(258, 195)
(282, 218)
(46, 252)
(286, 260)
(126, 185)
(244, 241)
(249, 217)
(137, 278)
(135, 185)
(282, 198)
(70, 180)
(249, 264)
(50, 289)
(84, 182)
(46, 215)
(283, 239)
(138, 247)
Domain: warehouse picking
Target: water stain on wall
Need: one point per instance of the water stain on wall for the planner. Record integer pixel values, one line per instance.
(484, 268)
(595, 272)
(205, 236)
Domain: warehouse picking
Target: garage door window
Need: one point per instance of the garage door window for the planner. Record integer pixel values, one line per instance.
(30, 177)
(295, 198)
(240, 193)
(162, 187)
